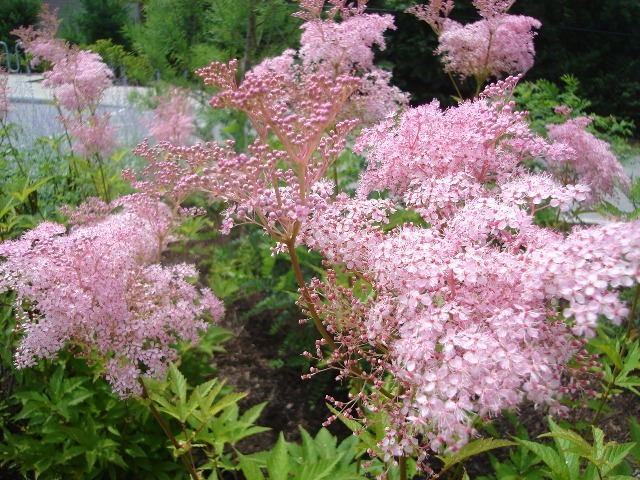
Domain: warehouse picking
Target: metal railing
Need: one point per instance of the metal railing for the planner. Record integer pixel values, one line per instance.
(8, 56)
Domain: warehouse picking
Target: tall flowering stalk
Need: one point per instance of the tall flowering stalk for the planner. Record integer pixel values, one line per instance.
(78, 79)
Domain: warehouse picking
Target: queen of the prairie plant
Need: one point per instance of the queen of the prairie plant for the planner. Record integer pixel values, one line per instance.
(480, 309)
(101, 289)
(591, 163)
(497, 44)
(77, 79)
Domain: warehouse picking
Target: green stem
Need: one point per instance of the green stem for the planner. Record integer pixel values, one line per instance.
(307, 296)
(190, 466)
(107, 196)
(623, 352)
(455, 85)
(403, 467)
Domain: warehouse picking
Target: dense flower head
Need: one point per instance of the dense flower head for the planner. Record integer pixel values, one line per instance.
(98, 287)
(497, 44)
(173, 118)
(90, 134)
(592, 162)
(481, 308)
(435, 159)
(489, 47)
(78, 80)
(41, 42)
(345, 45)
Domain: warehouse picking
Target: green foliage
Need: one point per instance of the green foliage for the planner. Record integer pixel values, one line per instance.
(97, 20)
(59, 419)
(17, 13)
(180, 36)
(565, 458)
(136, 69)
(594, 41)
(539, 99)
(208, 418)
(316, 458)
(64, 422)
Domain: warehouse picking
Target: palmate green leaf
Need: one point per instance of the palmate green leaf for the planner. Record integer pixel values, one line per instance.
(577, 445)
(615, 454)
(309, 452)
(473, 448)
(251, 415)
(320, 469)
(178, 383)
(611, 350)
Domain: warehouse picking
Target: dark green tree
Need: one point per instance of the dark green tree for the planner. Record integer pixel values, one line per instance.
(14, 14)
(179, 36)
(98, 20)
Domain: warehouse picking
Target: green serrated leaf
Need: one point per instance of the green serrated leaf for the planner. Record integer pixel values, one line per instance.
(550, 457)
(611, 350)
(178, 383)
(473, 448)
(249, 468)
(278, 461)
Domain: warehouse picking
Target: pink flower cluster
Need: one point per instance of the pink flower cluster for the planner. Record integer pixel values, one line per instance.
(173, 118)
(480, 309)
(78, 80)
(99, 288)
(343, 48)
(499, 43)
(592, 162)
(436, 159)
(276, 188)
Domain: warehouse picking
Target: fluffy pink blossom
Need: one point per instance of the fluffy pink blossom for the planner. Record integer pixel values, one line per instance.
(173, 119)
(481, 309)
(592, 162)
(41, 42)
(99, 288)
(344, 45)
(436, 159)
(78, 80)
(435, 13)
(91, 134)
(489, 47)
(495, 45)
(334, 49)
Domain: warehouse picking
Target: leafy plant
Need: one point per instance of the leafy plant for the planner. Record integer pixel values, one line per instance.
(565, 460)
(322, 457)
